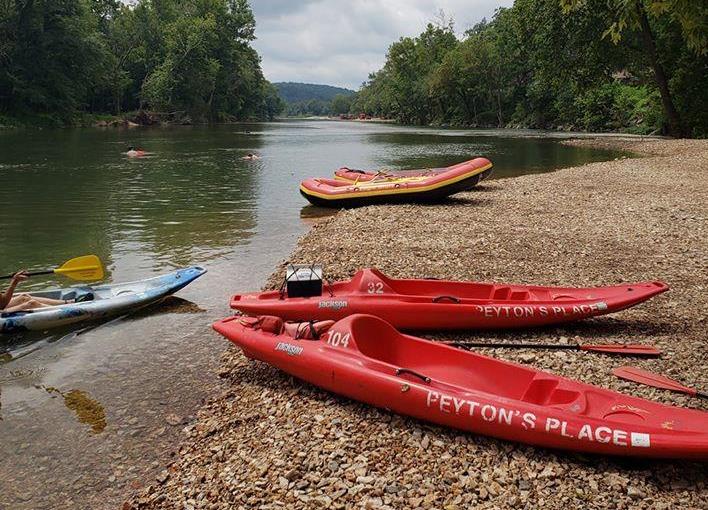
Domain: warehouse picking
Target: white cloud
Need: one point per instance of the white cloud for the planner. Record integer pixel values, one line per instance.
(340, 42)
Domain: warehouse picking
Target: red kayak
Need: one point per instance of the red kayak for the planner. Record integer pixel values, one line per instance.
(438, 304)
(366, 359)
(354, 175)
(429, 188)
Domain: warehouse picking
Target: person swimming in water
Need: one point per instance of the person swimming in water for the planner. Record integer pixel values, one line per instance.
(134, 153)
(250, 155)
(9, 302)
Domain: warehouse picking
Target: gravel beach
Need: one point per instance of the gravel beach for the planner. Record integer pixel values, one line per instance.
(271, 441)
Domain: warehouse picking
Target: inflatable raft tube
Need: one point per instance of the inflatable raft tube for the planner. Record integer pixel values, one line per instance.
(364, 358)
(101, 301)
(432, 188)
(353, 175)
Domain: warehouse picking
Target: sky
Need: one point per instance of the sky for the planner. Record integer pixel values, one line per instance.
(339, 42)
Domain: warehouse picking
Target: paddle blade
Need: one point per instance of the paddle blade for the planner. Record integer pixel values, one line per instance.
(651, 379)
(626, 349)
(86, 268)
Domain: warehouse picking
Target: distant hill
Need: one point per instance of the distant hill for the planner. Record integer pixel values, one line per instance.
(292, 92)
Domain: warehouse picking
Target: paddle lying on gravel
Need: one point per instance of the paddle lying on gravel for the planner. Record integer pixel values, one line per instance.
(85, 268)
(657, 381)
(624, 349)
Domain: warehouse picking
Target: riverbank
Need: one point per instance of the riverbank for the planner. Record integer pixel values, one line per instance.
(272, 441)
(106, 120)
(49, 121)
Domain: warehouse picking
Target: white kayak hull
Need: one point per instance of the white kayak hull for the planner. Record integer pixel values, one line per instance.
(108, 300)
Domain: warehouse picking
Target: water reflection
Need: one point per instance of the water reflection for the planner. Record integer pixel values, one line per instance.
(193, 202)
(511, 155)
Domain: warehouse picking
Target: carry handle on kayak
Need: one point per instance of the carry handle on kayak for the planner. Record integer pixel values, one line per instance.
(401, 371)
(439, 299)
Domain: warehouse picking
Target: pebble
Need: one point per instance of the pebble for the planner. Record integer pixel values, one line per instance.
(635, 493)
(173, 419)
(572, 227)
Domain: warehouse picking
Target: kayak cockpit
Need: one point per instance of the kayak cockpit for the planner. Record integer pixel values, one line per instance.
(377, 340)
(374, 283)
(468, 374)
(71, 294)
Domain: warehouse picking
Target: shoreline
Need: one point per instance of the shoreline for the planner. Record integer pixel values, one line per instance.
(128, 121)
(270, 440)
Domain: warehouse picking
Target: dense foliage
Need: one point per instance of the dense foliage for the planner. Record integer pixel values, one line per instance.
(633, 65)
(181, 59)
(311, 99)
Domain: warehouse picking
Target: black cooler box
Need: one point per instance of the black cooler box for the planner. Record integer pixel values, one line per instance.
(303, 280)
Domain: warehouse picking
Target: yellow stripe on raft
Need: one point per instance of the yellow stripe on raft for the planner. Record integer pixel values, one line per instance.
(393, 179)
(383, 179)
(391, 191)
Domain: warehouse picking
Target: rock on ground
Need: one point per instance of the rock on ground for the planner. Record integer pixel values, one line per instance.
(270, 441)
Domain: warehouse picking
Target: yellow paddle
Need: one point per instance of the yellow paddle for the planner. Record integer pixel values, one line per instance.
(85, 269)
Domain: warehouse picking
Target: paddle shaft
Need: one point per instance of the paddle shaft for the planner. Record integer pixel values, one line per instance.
(33, 273)
(622, 349)
(520, 346)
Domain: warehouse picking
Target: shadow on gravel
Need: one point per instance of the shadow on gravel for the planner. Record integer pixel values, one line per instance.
(607, 328)
(486, 188)
(457, 200)
(665, 475)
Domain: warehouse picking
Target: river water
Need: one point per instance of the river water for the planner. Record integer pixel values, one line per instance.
(88, 415)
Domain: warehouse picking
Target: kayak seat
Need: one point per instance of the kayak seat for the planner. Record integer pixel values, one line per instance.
(378, 340)
(506, 294)
(545, 392)
(520, 295)
(89, 296)
(501, 293)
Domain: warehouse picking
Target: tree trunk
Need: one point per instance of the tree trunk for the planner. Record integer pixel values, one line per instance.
(675, 125)
(466, 103)
(116, 102)
(499, 109)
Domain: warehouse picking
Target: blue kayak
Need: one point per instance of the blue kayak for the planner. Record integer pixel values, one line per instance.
(97, 302)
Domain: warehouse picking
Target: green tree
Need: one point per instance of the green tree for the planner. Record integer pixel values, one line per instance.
(408, 65)
(692, 16)
(59, 58)
(534, 65)
(341, 104)
(51, 55)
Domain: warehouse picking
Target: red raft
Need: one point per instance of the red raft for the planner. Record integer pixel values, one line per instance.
(428, 188)
(438, 304)
(353, 175)
(364, 358)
